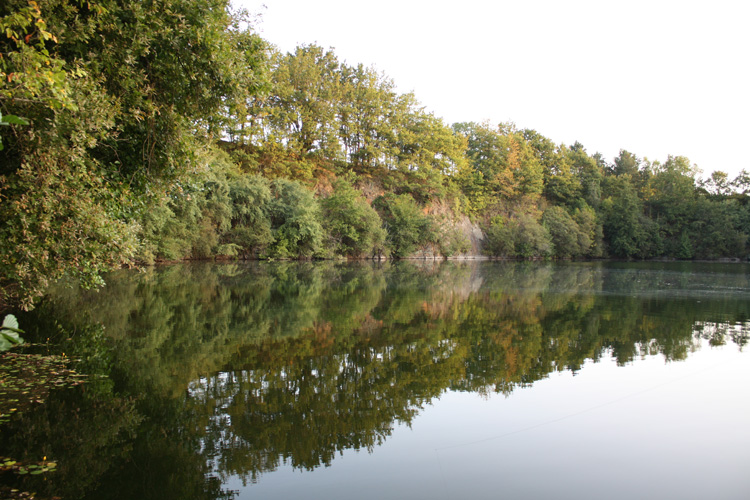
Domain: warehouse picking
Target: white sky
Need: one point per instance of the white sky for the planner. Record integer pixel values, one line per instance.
(654, 77)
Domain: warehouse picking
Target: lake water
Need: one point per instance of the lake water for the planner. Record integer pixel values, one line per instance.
(435, 380)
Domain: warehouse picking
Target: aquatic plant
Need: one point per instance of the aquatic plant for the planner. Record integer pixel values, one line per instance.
(9, 333)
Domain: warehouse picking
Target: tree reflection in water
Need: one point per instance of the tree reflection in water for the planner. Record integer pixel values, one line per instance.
(239, 368)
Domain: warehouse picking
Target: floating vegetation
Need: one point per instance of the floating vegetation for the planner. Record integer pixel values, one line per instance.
(26, 379)
(22, 469)
(14, 494)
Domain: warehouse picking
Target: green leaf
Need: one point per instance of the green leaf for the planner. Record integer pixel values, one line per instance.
(4, 344)
(9, 333)
(11, 336)
(10, 321)
(13, 120)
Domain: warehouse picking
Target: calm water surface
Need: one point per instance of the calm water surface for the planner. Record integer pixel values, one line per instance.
(399, 380)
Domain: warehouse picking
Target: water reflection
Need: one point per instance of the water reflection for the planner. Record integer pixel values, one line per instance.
(239, 368)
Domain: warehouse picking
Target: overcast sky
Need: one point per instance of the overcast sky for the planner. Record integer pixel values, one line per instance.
(653, 77)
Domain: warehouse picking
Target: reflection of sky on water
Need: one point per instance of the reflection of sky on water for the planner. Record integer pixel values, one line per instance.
(238, 366)
(665, 279)
(649, 429)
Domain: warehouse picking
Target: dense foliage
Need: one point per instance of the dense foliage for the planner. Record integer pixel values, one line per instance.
(122, 98)
(165, 130)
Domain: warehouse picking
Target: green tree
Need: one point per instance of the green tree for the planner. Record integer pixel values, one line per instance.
(218, 212)
(251, 226)
(407, 226)
(367, 119)
(716, 230)
(671, 203)
(626, 163)
(718, 184)
(504, 163)
(561, 185)
(428, 153)
(622, 211)
(591, 233)
(295, 221)
(567, 237)
(353, 226)
(589, 174)
(304, 100)
(741, 183)
(119, 97)
(520, 236)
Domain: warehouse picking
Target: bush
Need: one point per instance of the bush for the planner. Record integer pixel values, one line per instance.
(189, 221)
(354, 228)
(521, 237)
(453, 241)
(251, 226)
(574, 235)
(295, 221)
(408, 228)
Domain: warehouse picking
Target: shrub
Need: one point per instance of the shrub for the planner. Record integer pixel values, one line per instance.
(354, 228)
(295, 221)
(251, 225)
(407, 227)
(521, 236)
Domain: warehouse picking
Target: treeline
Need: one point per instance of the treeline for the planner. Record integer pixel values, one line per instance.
(168, 129)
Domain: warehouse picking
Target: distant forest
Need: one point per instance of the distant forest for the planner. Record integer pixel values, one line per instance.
(143, 131)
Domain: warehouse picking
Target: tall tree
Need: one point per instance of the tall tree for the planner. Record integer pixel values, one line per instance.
(429, 153)
(304, 100)
(588, 172)
(367, 116)
(502, 164)
(622, 210)
(120, 95)
(626, 163)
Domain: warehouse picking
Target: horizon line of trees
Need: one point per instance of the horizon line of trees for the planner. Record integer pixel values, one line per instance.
(168, 129)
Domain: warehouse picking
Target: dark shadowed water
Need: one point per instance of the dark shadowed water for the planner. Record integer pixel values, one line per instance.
(434, 380)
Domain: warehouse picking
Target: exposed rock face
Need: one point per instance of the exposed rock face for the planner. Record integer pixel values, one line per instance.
(475, 236)
(468, 230)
